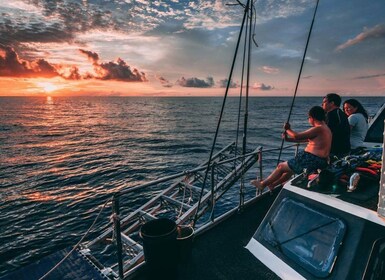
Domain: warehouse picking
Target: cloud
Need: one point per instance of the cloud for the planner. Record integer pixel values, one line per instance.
(223, 83)
(262, 86)
(369, 76)
(164, 82)
(92, 56)
(269, 70)
(195, 82)
(12, 66)
(376, 32)
(118, 70)
(62, 21)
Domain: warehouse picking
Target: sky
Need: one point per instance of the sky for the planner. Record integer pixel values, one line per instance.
(185, 48)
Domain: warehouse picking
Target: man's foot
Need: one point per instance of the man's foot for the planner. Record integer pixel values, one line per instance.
(257, 184)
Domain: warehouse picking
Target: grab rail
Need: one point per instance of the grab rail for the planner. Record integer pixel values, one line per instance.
(116, 207)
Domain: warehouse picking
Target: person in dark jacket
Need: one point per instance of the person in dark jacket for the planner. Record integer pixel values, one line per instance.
(338, 123)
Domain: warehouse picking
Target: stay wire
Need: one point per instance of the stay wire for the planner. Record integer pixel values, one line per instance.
(221, 113)
(241, 93)
(299, 77)
(244, 144)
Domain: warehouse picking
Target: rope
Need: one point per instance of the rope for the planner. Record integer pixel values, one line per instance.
(299, 76)
(77, 244)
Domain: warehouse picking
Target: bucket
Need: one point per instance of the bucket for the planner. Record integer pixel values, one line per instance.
(185, 240)
(160, 245)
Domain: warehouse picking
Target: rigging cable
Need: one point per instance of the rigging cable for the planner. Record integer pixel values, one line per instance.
(239, 116)
(241, 194)
(299, 77)
(240, 94)
(221, 113)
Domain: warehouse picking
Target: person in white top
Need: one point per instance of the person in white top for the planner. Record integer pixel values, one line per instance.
(358, 120)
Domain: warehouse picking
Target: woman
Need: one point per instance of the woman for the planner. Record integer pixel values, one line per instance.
(358, 120)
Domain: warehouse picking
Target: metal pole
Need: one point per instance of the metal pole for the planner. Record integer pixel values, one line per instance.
(115, 204)
(381, 194)
(260, 164)
(212, 191)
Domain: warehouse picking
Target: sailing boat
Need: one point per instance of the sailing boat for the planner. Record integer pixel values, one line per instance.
(190, 198)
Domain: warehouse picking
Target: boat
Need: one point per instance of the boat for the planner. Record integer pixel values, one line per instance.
(298, 231)
(332, 229)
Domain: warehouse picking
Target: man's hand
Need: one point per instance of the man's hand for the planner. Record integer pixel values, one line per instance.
(286, 126)
(284, 135)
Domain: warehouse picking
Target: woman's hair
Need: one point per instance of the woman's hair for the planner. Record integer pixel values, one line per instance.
(356, 104)
(317, 113)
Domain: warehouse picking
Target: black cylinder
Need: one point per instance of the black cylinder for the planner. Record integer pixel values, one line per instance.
(185, 242)
(160, 245)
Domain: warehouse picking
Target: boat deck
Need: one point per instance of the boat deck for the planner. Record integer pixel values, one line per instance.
(219, 253)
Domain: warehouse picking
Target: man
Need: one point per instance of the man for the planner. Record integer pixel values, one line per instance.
(338, 123)
(315, 156)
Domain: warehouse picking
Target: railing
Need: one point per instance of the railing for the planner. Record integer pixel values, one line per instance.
(215, 195)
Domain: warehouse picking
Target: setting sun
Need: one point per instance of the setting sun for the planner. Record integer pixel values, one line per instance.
(47, 86)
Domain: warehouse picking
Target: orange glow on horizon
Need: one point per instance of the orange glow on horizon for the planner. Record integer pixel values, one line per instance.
(47, 86)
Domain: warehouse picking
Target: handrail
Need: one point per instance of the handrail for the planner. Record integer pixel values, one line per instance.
(212, 166)
(168, 178)
(194, 170)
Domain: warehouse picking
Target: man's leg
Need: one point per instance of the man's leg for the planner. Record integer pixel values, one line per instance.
(276, 175)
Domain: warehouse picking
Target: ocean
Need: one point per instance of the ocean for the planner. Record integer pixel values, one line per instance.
(62, 157)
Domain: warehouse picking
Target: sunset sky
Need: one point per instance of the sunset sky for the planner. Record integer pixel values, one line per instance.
(185, 48)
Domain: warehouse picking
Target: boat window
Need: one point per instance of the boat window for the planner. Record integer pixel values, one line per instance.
(308, 237)
(375, 269)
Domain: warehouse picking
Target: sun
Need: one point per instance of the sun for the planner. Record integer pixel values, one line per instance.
(47, 86)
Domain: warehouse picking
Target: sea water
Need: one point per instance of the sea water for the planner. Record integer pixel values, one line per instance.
(62, 157)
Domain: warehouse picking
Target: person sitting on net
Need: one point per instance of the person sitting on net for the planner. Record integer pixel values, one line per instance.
(315, 156)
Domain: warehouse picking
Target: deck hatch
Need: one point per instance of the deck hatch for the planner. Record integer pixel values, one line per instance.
(307, 236)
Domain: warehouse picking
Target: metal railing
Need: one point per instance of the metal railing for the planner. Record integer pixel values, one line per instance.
(214, 167)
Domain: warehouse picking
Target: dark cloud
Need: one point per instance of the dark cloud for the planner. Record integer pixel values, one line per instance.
(12, 66)
(195, 82)
(92, 56)
(164, 82)
(369, 76)
(118, 70)
(262, 86)
(223, 84)
(60, 21)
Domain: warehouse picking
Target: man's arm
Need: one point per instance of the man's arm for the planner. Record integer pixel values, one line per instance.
(300, 136)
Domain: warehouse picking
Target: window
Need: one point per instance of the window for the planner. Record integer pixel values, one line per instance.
(308, 237)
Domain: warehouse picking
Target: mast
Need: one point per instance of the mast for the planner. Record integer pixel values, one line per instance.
(381, 195)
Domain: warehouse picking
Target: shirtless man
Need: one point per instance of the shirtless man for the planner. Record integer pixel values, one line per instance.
(315, 155)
